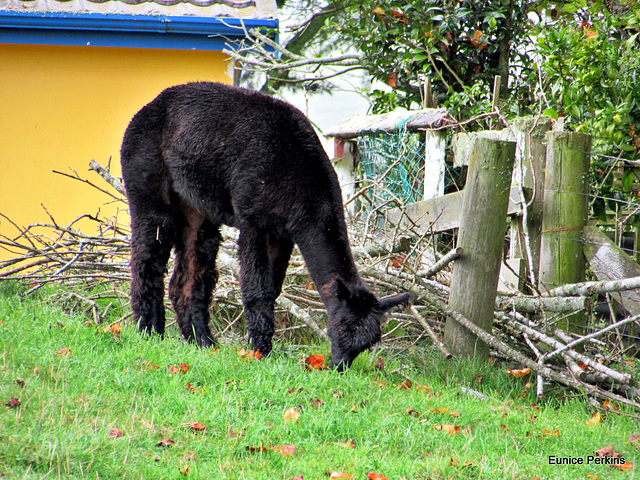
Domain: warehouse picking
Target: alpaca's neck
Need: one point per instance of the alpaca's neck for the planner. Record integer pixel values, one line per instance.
(327, 255)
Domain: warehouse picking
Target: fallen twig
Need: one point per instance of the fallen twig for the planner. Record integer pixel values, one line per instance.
(442, 263)
(430, 331)
(301, 315)
(593, 288)
(106, 174)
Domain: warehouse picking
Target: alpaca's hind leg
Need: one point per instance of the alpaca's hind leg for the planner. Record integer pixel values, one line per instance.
(258, 289)
(151, 243)
(279, 254)
(194, 277)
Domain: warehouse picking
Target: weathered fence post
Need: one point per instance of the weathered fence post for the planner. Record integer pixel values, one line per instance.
(565, 214)
(481, 235)
(530, 133)
(434, 163)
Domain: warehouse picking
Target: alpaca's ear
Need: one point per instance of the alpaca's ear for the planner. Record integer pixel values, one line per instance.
(387, 303)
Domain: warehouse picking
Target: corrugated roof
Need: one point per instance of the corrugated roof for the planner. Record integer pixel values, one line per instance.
(197, 8)
(388, 122)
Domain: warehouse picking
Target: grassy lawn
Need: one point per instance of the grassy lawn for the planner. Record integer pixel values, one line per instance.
(96, 404)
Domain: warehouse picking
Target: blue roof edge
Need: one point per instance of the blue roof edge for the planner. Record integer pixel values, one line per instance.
(120, 30)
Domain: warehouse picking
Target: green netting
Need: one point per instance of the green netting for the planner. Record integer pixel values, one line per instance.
(394, 164)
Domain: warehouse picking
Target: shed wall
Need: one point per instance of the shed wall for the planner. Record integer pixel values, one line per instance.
(62, 106)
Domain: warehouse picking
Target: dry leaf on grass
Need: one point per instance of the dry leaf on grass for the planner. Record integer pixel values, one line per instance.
(291, 415)
(625, 466)
(376, 476)
(147, 365)
(315, 362)
(516, 373)
(249, 354)
(114, 329)
(193, 389)
(348, 444)
(13, 403)
(340, 475)
(197, 426)
(454, 463)
(450, 429)
(259, 449)
(180, 368)
(285, 450)
(595, 419)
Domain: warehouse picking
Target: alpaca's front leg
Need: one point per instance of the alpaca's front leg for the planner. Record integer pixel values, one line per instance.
(260, 324)
(258, 290)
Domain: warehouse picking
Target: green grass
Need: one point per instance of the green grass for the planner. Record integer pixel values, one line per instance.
(70, 403)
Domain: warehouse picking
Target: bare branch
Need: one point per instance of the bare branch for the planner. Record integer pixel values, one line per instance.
(106, 174)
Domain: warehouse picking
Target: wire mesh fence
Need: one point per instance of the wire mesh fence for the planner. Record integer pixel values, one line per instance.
(394, 164)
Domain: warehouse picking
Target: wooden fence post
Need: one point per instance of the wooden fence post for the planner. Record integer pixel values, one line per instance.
(531, 134)
(481, 235)
(434, 164)
(565, 214)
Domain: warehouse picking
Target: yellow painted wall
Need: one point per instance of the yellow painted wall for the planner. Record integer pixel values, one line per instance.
(63, 106)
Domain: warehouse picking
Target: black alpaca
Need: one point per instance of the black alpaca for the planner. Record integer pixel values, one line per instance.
(205, 154)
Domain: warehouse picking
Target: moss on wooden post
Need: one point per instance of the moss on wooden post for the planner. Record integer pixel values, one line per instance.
(481, 235)
(565, 214)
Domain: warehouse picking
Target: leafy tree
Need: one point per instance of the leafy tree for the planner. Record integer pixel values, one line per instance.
(575, 59)
(590, 66)
(460, 46)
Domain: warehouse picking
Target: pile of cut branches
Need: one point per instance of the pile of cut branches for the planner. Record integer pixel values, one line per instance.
(522, 336)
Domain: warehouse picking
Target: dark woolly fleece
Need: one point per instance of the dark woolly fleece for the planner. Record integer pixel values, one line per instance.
(205, 154)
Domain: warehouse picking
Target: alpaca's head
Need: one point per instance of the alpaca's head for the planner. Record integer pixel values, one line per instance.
(355, 316)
